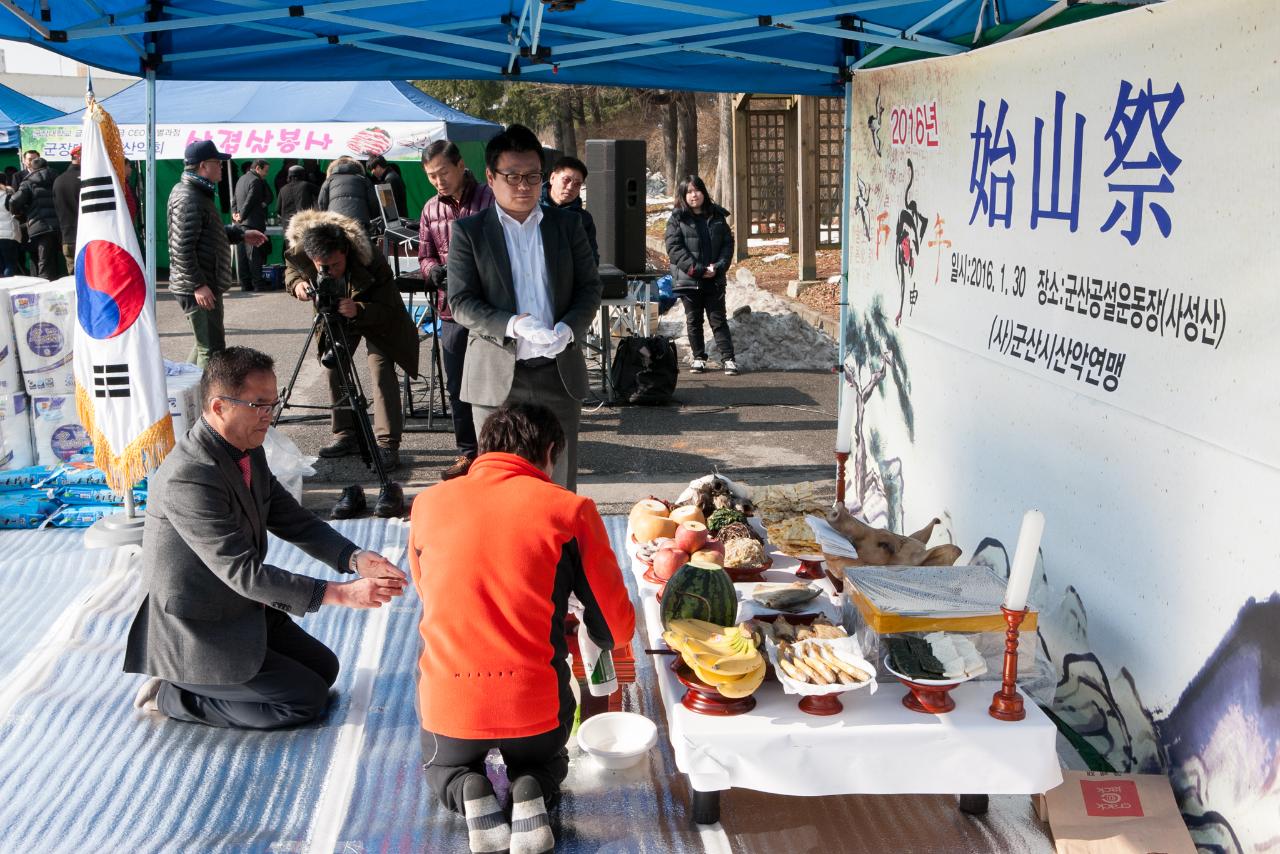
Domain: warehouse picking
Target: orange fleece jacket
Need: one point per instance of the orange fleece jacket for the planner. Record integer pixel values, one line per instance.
(484, 551)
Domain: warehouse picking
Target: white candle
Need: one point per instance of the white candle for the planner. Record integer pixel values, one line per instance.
(1024, 561)
(844, 424)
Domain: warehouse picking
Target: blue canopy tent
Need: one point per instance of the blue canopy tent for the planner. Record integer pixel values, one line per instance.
(17, 109)
(805, 47)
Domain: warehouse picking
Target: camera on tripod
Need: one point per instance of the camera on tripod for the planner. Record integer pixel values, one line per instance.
(327, 291)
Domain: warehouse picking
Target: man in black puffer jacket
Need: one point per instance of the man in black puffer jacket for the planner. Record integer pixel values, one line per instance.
(200, 247)
(564, 190)
(34, 200)
(349, 192)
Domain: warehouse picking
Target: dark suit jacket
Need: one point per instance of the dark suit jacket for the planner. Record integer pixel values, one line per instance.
(252, 198)
(203, 620)
(483, 298)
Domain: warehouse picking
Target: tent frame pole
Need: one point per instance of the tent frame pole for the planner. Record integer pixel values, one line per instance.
(910, 31)
(846, 229)
(150, 236)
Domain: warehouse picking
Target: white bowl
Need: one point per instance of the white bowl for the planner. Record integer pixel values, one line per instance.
(617, 739)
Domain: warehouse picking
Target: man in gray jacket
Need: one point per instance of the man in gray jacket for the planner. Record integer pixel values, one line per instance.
(214, 631)
(200, 247)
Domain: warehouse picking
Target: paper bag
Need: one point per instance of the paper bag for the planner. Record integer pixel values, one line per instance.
(1098, 813)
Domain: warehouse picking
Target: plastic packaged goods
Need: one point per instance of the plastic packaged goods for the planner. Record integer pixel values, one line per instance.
(16, 449)
(44, 321)
(56, 428)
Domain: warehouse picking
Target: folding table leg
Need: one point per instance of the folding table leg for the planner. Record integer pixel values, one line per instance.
(974, 804)
(706, 807)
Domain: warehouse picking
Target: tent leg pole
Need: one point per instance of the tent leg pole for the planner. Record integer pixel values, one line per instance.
(150, 236)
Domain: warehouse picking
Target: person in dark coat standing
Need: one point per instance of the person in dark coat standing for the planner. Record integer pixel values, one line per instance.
(66, 201)
(249, 210)
(296, 196)
(34, 201)
(349, 192)
(458, 195)
(564, 190)
(385, 173)
(700, 246)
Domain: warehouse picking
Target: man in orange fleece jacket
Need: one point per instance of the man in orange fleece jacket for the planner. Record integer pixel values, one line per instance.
(495, 555)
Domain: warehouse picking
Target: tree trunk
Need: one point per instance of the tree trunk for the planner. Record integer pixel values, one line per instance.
(594, 103)
(569, 135)
(724, 157)
(669, 143)
(687, 121)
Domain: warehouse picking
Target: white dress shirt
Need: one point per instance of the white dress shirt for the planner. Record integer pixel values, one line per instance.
(528, 275)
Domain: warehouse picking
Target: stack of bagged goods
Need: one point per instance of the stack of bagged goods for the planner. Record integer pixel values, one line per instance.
(70, 495)
(16, 450)
(182, 383)
(44, 321)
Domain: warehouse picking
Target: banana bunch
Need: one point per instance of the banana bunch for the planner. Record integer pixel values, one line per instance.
(726, 657)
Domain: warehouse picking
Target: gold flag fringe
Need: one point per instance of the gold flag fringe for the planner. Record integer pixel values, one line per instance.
(110, 137)
(126, 467)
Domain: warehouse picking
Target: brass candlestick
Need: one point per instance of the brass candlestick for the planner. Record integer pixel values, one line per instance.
(1006, 704)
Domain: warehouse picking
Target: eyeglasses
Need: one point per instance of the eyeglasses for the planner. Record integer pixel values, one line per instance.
(515, 179)
(268, 410)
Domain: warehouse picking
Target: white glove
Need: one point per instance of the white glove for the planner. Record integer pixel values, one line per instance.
(564, 337)
(530, 329)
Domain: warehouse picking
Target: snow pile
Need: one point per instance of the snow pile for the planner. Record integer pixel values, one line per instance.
(777, 256)
(753, 242)
(770, 337)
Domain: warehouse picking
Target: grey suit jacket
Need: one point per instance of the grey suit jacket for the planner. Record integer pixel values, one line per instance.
(203, 620)
(482, 296)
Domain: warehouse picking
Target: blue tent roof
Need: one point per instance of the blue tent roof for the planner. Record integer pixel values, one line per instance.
(17, 109)
(249, 102)
(784, 46)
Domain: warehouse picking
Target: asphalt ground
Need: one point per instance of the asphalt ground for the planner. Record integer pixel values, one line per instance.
(766, 427)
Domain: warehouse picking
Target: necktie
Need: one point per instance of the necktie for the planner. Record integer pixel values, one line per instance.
(244, 469)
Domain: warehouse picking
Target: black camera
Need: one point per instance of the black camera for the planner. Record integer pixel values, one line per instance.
(328, 290)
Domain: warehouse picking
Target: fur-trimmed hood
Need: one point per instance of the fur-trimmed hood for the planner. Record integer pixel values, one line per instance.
(305, 220)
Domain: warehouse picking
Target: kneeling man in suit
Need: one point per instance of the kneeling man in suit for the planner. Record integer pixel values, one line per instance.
(214, 631)
(523, 281)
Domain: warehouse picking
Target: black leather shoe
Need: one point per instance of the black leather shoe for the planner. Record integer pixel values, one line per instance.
(351, 504)
(390, 501)
(390, 458)
(460, 467)
(346, 446)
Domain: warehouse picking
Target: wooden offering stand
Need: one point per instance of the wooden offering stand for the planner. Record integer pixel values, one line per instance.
(705, 699)
(821, 704)
(810, 568)
(928, 699)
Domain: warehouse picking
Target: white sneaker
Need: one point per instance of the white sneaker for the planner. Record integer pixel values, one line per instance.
(697, 366)
(730, 367)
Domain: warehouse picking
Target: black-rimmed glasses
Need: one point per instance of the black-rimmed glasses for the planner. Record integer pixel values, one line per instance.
(515, 179)
(270, 410)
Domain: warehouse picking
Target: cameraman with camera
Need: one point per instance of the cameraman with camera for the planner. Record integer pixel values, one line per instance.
(332, 263)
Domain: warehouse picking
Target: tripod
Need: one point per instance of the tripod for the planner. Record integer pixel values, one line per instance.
(333, 330)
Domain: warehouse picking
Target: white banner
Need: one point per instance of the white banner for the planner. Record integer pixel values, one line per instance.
(1063, 295)
(323, 141)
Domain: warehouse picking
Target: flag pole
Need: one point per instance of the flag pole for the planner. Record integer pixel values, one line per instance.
(150, 237)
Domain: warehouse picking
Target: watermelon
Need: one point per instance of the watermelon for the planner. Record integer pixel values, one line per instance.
(700, 592)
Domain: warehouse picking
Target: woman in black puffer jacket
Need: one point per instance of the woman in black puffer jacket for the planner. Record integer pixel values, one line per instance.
(700, 246)
(347, 191)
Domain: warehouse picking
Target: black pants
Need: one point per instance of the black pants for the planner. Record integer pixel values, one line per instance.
(10, 258)
(291, 688)
(448, 761)
(708, 299)
(250, 261)
(46, 250)
(453, 348)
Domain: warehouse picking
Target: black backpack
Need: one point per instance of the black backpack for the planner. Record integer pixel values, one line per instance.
(644, 370)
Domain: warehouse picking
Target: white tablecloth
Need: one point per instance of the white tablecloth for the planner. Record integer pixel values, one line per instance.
(875, 746)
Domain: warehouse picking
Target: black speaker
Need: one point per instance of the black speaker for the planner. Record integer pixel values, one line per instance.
(616, 200)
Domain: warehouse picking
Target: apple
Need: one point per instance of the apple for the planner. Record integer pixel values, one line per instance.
(707, 557)
(648, 507)
(688, 513)
(715, 545)
(691, 536)
(665, 543)
(668, 561)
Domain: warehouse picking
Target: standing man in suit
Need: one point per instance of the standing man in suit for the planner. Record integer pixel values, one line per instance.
(523, 281)
(249, 211)
(215, 631)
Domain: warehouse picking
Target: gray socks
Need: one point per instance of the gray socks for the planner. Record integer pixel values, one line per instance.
(487, 828)
(530, 826)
